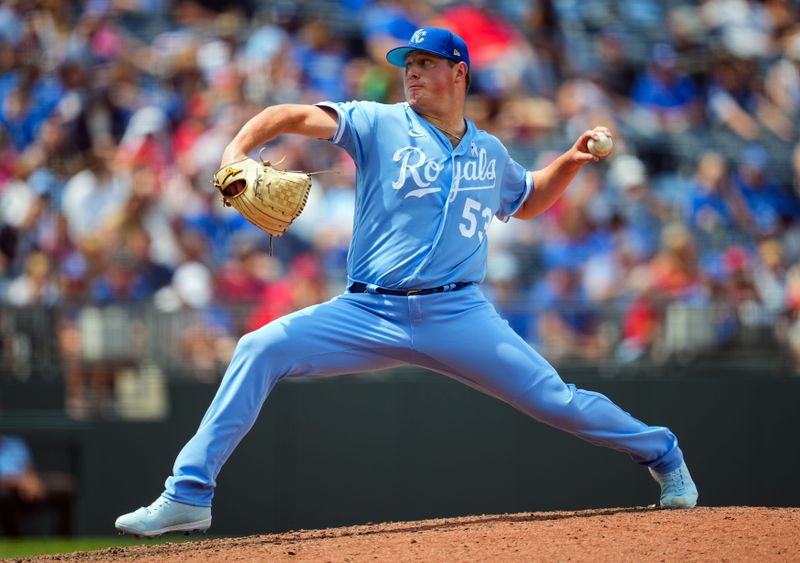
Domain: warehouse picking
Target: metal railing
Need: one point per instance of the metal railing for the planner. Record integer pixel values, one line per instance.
(48, 342)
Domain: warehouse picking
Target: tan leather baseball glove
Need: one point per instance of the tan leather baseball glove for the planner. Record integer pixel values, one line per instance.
(267, 197)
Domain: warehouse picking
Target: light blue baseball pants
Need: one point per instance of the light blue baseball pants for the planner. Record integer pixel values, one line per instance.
(455, 333)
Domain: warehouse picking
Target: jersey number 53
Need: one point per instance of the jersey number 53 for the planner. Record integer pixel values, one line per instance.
(472, 212)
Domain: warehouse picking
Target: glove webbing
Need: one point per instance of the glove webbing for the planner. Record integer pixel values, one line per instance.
(267, 163)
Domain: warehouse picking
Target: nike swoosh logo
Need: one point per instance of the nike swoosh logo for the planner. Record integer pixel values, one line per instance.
(413, 133)
(421, 192)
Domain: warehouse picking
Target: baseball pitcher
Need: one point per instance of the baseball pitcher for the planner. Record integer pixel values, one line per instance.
(429, 183)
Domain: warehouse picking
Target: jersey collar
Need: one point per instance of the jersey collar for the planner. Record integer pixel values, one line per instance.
(419, 124)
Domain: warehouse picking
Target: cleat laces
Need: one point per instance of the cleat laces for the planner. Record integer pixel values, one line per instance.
(675, 481)
(160, 503)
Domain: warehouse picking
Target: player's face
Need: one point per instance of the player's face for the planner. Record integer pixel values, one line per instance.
(429, 79)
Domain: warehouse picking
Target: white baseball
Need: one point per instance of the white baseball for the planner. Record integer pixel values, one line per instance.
(602, 146)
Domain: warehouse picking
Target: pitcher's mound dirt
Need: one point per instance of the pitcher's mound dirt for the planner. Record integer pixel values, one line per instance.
(621, 534)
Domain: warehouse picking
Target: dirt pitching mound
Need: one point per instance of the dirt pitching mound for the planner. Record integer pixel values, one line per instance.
(620, 534)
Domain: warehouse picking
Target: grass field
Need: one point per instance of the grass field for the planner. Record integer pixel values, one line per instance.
(30, 547)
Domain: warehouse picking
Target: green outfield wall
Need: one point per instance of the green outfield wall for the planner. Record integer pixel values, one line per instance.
(411, 444)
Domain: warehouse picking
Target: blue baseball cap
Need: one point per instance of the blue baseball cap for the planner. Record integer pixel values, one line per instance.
(434, 40)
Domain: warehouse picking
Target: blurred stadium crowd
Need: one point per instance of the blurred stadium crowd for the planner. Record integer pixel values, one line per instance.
(114, 114)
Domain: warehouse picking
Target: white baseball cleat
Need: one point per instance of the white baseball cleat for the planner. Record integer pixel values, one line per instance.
(164, 516)
(677, 488)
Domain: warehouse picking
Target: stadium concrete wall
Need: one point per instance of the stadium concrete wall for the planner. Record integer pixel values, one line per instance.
(412, 444)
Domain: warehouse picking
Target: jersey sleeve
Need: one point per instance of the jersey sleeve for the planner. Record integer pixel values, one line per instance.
(516, 185)
(355, 132)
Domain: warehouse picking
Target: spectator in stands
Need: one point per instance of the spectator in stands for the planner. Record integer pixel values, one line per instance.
(20, 483)
(146, 142)
(24, 491)
(153, 274)
(769, 275)
(299, 288)
(671, 96)
(712, 206)
(768, 204)
(36, 285)
(568, 326)
(575, 238)
(93, 196)
(741, 292)
(782, 80)
(641, 210)
(606, 276)
(675, 272)
(641, 327)
(667, 118)
(580, 102)
(245, 275)
(119, 281)
(200, 332)
(323, 56)
(502, 60)
(736, 105)
(672, 275)
(29, 219)
(617, 72)
(144, 212)
(26, 100)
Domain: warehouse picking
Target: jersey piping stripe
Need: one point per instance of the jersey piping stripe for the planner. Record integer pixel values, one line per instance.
(524, 198)
(337, 136)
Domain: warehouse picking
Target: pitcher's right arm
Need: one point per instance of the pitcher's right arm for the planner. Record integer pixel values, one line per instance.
(300, 119)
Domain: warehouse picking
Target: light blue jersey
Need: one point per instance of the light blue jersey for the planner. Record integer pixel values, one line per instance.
(423, 208)
(422, 215)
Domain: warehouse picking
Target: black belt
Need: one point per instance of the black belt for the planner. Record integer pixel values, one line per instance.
(358, 287)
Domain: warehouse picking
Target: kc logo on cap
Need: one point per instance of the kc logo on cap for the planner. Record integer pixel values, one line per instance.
(433, 40)
(418, 37)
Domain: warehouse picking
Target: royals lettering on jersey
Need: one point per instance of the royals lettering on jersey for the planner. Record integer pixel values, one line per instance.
(417, 167)
(423, 208)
